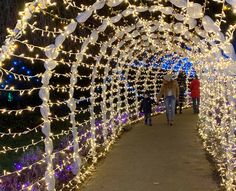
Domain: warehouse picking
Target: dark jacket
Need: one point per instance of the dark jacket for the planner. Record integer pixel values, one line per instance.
(146, 105)
(182, 88)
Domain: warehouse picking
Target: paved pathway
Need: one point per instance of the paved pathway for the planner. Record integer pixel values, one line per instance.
(157, 158)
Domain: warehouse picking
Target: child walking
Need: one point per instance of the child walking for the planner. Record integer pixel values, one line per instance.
(146, 108)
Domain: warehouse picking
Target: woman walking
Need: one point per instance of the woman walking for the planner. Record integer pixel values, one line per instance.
(170, 90)
(195, 94)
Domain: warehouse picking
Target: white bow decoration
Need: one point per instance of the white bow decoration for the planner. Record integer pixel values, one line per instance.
(141, 9)
(120, 34)
(44, 110)
(196, 39)
(232, 3)
(59, 40)
(79, 57)
(20, 25)
(74, 69)
(44, 94)
(179, 28)
(135, 33)
(72, 104)
(73, 80)
(50, 64)
(76, 164)
(82, 17)
(71, 27)
(94, 36)
(166, 10)
(27, 15)
(127, 12)
(116, 18)
(31, 6)
(71, 91)
(229, 50)
(209, 25)
(216, 54)
(46, 129)
(2, 57)
(85, 45)
(192, 23)
(104, 25)
(187, 35)
(99, 4)
(130, 28)
(114, 3)
(73, 121)
(51, 51)
(231, 70)
(179, 3)
(194, 10)
(43, 4)
(114, 51)
(103, 48)
(200, 32)
(153, 29)
(49, 145)
(46, 77)
(219, 36)
(144, 37)
(50, 181)
(153, 8)
(179, 17)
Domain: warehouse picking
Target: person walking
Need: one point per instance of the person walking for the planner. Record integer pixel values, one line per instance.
(182, 88)
(146, 108)
(170, 90)
(195, 94)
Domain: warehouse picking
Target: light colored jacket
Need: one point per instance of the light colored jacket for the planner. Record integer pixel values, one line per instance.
(164, 89)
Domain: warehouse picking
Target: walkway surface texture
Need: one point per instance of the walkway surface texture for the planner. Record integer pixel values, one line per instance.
(157, 158)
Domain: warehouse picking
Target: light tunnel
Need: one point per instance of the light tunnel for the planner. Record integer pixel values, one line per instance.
(91, 62)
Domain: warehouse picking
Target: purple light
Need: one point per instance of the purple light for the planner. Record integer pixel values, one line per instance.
(18, 166)
(68, 168)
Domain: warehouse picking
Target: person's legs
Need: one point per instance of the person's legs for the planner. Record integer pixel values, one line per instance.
(172, 109)
(176, 107)
(167, 104)
(149, 119)
(197, 105)
(146, 118)
(180, 107)
(194, 105)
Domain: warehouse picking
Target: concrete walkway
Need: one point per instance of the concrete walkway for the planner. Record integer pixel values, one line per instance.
(157, 158)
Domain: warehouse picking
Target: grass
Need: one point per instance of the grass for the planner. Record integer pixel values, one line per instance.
(20, 124)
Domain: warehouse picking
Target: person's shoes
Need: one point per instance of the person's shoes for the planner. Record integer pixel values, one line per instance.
(150, 124)
(171, 123)
(180, 112)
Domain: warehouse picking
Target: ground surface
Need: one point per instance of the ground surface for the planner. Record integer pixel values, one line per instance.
(157, 158)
